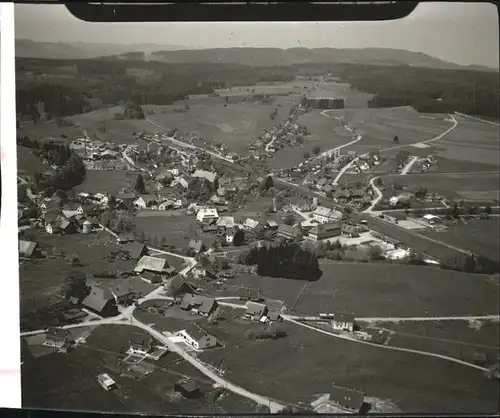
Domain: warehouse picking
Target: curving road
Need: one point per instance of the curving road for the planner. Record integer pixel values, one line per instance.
(407, 350)
(408, 166)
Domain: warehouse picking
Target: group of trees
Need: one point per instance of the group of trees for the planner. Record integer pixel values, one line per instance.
(284, 260)
(471, 263)
(109, 82)
(70, 168)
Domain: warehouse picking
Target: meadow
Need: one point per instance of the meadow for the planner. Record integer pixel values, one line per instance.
(377, 290)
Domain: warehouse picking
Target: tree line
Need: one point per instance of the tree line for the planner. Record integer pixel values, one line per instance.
(285, 260)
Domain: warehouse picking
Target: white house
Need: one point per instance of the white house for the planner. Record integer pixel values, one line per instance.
(167, 204)
(207, 175)
(250, 224)
(431, 219)
(197, 337)
(145, 201)
(343, 322)
(229, 237)
(207, 215)
(324, 215)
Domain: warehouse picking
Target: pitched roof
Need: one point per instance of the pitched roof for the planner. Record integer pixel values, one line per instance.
(196, 244)
(251, 223)
(208, 305)
(273, 316)
(97, 298)
(151, 263)
(208, 175)
(256, 309)
(324, 228)
(323, 211)
(148, 198)
(135, 249)
(195, 331)
(289, 230)
(226, 221)
(271, 223)
(343, 317)
(348, 398)
(27, 247)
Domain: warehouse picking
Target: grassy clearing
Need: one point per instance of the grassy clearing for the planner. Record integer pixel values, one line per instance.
(28, 163)
(450, 338)
(306, 363)
(111, 182)
(471, 141)
(234, 124)
(176, 230)
(452, 186)
(70, 381)
(377, 290)
(478, 235)
(41, 281)
(46, 130)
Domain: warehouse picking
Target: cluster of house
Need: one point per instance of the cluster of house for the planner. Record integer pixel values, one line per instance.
(94, 150)
(425, 163)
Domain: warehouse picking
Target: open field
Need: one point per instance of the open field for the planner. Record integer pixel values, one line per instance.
(28, 163)
(70, 381)
(47, 130)
(379, 126)
(452, 338)
(177, 230)
(111, 182)
(471, 141)
(306, 363)
(41, 280)
(353, 99)
(473, 188)
(296, 87)
(235, 125)
(479, 235)
(398, 290)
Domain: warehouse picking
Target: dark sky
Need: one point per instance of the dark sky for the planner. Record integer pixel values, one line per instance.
(464, 33)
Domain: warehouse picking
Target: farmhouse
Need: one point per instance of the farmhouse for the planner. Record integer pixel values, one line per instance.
(177, 286)
(166, 204)
(394, 216)
(255, 311)
(135, 250)
(323, 214)
(187, 388)
(343, 322)
(350, 231)
(289, 232)
(100, 301)
(151, 264)
(325, 231)
(208, 306)
(62, 226)
(207, 175)
(127, 199)
(29, 249)
(196, 245)
(225, 222)
(350, 399)
(207, 215)
(250, 224)
(197, 337)
(270, 224)
(49, 205)
(57, 338)
(432, 219)
(146, 201)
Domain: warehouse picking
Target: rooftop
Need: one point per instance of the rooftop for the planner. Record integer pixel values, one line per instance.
(151, 263)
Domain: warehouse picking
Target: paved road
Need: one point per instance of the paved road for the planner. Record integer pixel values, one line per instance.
(478, 119)
(436, 138)
(408, 166)
(344, 169)
(378, 196)
(194, 147)
(387, 347)
(408, 318)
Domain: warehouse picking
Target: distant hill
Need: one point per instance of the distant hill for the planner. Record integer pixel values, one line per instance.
(80, 50)
(276, 56)
(241, 56)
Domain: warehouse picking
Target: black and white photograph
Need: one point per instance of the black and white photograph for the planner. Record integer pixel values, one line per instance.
(266, 217)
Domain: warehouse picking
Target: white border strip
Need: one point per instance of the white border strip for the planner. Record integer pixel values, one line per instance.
(10, 363)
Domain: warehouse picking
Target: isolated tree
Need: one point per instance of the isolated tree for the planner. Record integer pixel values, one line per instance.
(316, 150)
(267, 184)
(140, 186)
(487, 210)
(75, 285)
(307, 155)
(112, 202)
(396, 139)
(239, 238)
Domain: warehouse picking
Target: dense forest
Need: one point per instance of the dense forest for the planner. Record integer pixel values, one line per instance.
(285, 260)
(69, 87)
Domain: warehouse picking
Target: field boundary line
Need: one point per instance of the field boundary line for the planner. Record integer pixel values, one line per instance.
(407, 350)
(478, 119)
